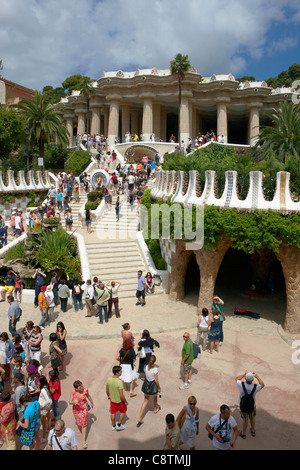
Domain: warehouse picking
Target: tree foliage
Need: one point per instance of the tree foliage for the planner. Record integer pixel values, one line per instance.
(285, 78)
(12, 131)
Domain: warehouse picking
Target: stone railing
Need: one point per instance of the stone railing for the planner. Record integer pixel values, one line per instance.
(185, 188)
(32, 181)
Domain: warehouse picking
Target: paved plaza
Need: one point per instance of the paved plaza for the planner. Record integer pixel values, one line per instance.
(248, 344)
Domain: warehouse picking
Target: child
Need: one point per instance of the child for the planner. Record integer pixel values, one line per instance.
(18, 288)
(55, 391)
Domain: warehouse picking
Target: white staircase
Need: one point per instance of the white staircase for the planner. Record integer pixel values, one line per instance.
(75, 206)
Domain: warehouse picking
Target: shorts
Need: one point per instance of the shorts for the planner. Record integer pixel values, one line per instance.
(88, 222)
(115, 407)
(9, 288)
(139, 294)
(18, 231)
(18, 289)
(246, 416)
(187, 368)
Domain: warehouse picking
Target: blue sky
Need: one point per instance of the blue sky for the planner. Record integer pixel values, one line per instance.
(42, 43)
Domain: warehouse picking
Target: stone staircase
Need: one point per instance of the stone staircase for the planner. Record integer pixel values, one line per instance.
(75, 206)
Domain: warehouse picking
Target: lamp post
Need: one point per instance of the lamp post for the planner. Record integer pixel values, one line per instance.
(27, 150)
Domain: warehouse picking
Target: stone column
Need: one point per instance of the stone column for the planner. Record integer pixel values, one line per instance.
(290, 261)
(113, 121)
(81, 123)
(147, 123)
(185, 131)
(178, 266)
(125, 121)
(69, 124)
(105, 121)
(95, 123)
(81, 110)
(209, 263)
(222, 120)
(254, 122)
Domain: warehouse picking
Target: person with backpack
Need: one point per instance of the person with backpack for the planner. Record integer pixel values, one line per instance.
(76, 288)
(222, 429)
(248, 391)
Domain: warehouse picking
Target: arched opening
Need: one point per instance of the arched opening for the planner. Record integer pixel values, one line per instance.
(192, 281)
(252, 282)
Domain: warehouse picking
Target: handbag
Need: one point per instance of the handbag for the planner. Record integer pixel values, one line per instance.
(210, 436)
(27, 435)
(141, 353)
(149, 388)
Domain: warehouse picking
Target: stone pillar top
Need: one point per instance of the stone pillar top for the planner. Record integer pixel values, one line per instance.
(222, 99)
(113, 97)
(96, 101)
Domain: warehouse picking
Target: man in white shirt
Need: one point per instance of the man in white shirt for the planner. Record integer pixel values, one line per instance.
(61, 438)
(247, 387)
(17, 225)
(223, 429)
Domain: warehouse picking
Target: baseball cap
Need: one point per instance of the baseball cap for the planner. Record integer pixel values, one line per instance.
(249, 377)
(43, 288)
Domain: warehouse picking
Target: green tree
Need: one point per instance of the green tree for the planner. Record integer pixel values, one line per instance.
(286, 77)
(283, 137)
(44, 122)
(53, 95)
(179, 66)
(12, 131)
(74, 82)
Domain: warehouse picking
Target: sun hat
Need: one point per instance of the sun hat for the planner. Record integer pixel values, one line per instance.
(49, 288)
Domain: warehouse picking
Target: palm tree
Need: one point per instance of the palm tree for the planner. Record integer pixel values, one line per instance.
(282, 138)
(179, 66)
(44, 122)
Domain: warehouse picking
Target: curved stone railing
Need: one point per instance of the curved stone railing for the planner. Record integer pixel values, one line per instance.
(25, 182)
(186, 191)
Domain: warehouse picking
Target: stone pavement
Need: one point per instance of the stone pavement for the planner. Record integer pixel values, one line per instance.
(248, 344)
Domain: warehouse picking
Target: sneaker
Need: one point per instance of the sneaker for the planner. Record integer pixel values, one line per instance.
(120, 427)
(189, 382)
(138, 303)
(183, 387)
(113, 428)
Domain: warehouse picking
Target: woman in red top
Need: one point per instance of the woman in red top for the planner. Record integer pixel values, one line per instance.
(8, 421)
(78, 399)
(55, 391)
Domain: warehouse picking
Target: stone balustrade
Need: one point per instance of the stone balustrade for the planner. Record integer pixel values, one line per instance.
(33, 181)
(185, 188)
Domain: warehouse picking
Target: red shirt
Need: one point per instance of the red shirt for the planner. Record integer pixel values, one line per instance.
(56, 387)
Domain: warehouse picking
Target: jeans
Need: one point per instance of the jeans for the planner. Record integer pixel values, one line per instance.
(77, 301)
(44, 318)
(104, 307)
(63, 304)
(55, 409)
(12, 329)
(37, 290)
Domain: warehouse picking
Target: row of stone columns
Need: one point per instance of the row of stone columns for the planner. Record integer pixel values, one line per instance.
(154, 117)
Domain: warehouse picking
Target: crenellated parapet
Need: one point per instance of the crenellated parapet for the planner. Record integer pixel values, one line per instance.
(23, 182)
(185, 188)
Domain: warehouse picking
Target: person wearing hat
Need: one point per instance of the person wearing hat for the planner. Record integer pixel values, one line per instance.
(248, 405)
(43, 306)
(49, 296)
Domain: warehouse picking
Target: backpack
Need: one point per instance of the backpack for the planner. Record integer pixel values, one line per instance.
(247, 401)
(77, 289)
(196, 351)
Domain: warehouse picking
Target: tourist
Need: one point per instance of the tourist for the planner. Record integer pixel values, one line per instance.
(117, 208)
(43, 306)
(39, 278)
(187, 358)
(54, 351)
(75, 193)
(10, 281)
(61, 333)
(14, 314)
(150, 387)
(61, 438)
(3, 235)
(89, 298)
(202, 328)
(35, 342)
(131, 198)
(69, 219)
(127, 357)
(125, 333)
(188, 422)
(63, 294)
(149, 284)
(247, 400)
(77, 291)
(52, 194)
(140, 292)
(8, 421)
(223, 429)
(172, 434)
(218, 303)
(18, 288)
(55, 391)
(49, 296)
(6, 347)
(102, 302)
(27, 332)
(78, 400)
(30, 435)
(45, 402)
(19, 390)
(54, 284)
(88, 220)
(147, 344)
(214, 334)
(118, 402)
(113, 288)
(31, 378)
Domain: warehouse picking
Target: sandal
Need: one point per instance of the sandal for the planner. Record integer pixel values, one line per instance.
(158, 409)
(132, 395)
(243, 436)
(252, 433)
(139, 424)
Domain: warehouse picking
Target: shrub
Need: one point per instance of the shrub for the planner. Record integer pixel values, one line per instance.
(16, 252)
(78, 162)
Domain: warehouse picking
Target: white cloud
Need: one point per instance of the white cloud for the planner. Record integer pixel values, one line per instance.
(42, 42)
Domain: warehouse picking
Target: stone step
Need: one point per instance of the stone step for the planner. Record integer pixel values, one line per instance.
(105, 253)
